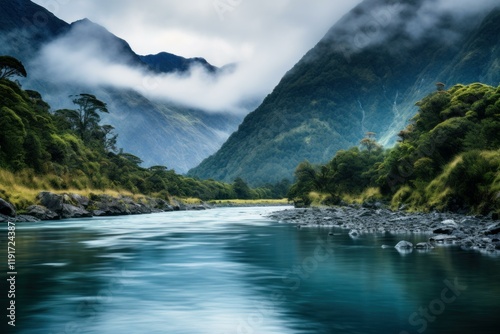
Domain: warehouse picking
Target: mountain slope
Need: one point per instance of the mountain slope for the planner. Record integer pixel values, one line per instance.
(164, 62)
(365, 75)
(160, 132)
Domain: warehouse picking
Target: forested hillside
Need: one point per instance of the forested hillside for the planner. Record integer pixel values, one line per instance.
(70, 149)
(159, 130)
(448, 158)
(363, 76)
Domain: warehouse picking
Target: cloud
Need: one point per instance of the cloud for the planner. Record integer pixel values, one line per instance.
(373, 22)
(74, 59)
(265, 39)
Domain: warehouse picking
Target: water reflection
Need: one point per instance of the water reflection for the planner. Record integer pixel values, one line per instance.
(232, 271)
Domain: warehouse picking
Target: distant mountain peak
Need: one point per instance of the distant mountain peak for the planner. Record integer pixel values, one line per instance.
(165, 62)
(365, 75)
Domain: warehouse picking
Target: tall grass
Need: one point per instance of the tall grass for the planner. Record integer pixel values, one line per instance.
(21, 188)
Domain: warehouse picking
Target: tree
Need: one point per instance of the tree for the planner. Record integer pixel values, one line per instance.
(109, 138)
(440, 86)
(86, 118)
(369, 142)
(85, 122)
(241, 189)
(10, 66)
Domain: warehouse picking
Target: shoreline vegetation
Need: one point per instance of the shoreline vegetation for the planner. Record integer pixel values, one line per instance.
(67, 205)
(69, 153)
(65, 163)
(447, 159)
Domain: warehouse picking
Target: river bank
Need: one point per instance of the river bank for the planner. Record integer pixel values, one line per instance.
(469, 232)
(51, 206)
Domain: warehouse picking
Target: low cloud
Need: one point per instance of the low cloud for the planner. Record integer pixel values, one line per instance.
(74, 60)
(264, 39)
(374, 22)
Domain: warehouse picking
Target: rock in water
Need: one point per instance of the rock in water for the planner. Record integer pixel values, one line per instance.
(404, 245)
(424, 246)
(444, 230)
(354, 234)
(443, 238)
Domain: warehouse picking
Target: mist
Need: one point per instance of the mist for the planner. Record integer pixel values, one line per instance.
(374, 22)
(263, 39)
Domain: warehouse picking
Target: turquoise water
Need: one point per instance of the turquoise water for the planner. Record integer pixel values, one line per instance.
(232, 270)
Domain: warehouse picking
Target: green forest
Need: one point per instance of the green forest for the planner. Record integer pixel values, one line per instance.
(70, 150)
(446, 159)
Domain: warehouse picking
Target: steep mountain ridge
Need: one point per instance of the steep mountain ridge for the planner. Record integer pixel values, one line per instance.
(165, 62)
(366, 74)
(163, 133)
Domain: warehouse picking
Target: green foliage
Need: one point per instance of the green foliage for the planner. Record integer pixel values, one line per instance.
(71, 149)
(241, 189)
(10, 66)
(350, 172)
(471, 180)
(12, 138)
(448, 157)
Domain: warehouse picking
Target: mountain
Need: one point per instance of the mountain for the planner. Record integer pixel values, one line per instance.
(165, 62)
(365, 75)
(158, 131)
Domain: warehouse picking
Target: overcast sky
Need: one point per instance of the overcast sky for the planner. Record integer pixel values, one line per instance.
(222, 31)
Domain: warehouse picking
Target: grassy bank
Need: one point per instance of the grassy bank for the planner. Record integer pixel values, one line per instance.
(250, 202)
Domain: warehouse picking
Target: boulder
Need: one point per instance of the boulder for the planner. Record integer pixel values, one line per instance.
(493, 229)
(42, 213)
(138, 209)
(444, 230)
(424, 246)
(109, 206)
(80, 200)
(51, 201)
(26, 219)
(7, 208)
(449, 223)
(404, 245)
(469, 221)
(443, 238)
(354, 234)
(71, 211)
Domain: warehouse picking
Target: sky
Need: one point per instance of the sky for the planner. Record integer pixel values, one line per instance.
(265, 39)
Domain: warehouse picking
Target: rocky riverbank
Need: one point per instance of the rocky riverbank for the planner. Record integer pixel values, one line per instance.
(469, 232)
(50, 206)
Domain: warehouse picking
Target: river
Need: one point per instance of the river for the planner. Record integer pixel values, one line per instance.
(232, 270)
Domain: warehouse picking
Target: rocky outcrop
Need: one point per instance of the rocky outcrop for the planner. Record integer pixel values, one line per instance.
(52, 206)
(7, 209)
(51, 201)
(71, 211)
(41, 212)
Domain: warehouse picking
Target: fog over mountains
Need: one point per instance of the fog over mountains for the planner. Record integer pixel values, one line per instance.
(366, 74)
(154, 120)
